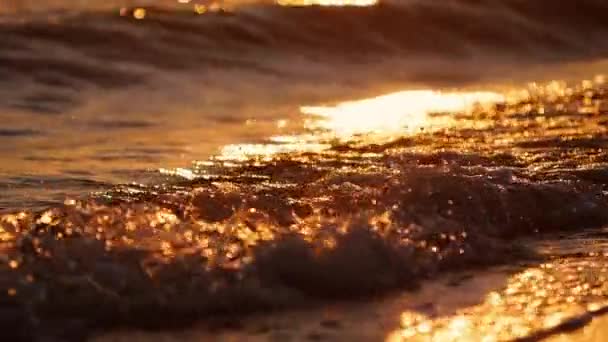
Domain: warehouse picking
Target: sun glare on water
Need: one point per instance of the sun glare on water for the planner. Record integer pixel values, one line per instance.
(379, 119)
(402, 112)
(303, 3)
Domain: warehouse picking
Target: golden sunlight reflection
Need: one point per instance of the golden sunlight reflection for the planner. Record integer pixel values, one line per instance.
(267, 151)
(198, 7)
(544, 298)
(303, 3)
(397, 113)
(379, 119)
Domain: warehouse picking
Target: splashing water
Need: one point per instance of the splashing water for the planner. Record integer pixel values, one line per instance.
(371, 210)
(344, 200)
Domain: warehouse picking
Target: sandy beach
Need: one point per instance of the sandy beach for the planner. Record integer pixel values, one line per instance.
(491, 305)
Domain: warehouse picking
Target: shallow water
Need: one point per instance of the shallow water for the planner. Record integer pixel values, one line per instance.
(92, 95)
(316, 175)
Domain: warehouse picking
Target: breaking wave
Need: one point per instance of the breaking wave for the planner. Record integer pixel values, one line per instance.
(359, 217)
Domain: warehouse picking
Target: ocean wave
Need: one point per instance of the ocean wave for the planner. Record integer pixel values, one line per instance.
(348, 213)
(357, 218)
(100, 48)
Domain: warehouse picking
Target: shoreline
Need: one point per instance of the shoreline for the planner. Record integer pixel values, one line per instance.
(453, 307)
(364, 320)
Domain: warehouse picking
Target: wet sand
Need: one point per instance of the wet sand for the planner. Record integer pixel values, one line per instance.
(559, 299)
(373, 320)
